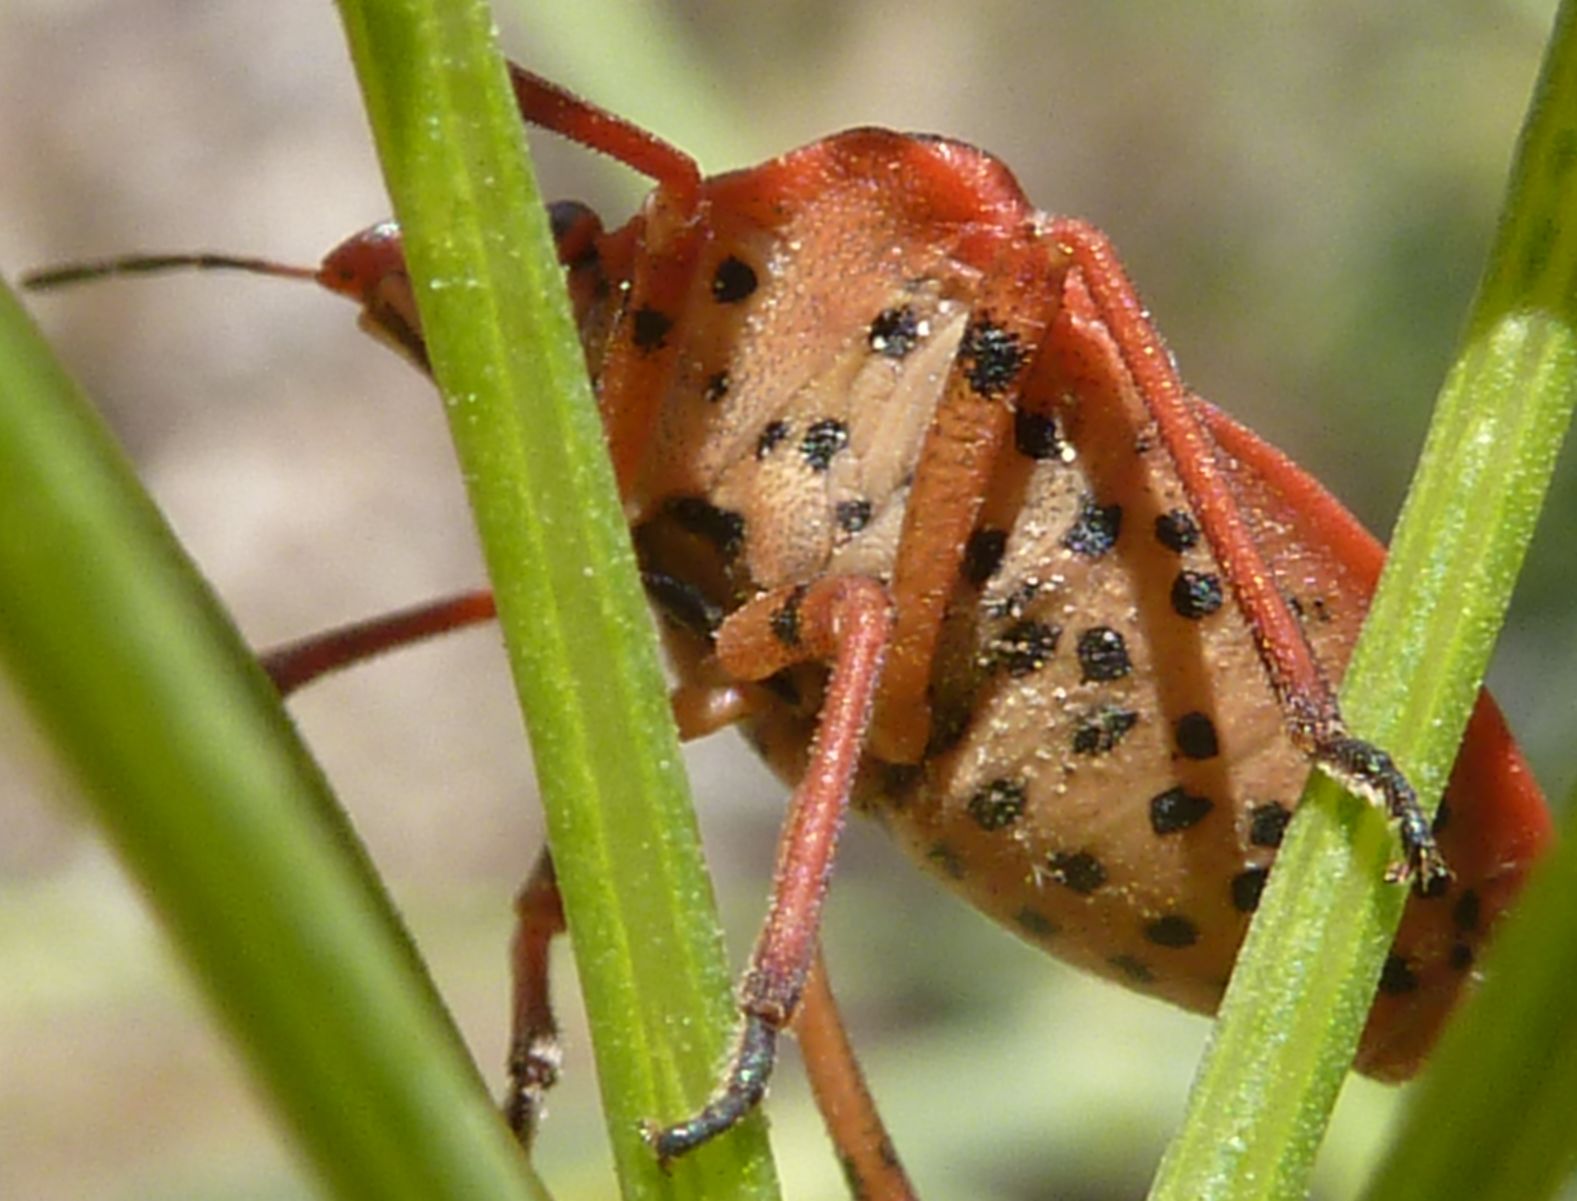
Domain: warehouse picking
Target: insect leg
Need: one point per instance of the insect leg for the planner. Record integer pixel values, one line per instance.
(951, 480)
(640, 354)
(856, 1129)
(847, 621)
(548, 106)
(534, 1053)
(299, 663)
(535, 1057)
(852, 1121)
(1102, 316)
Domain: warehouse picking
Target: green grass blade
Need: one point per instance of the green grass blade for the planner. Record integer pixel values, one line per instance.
(1297, 1002)
(185, 756)
(580, 640)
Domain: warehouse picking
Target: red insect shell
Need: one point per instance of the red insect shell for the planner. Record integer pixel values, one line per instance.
(1074, 728)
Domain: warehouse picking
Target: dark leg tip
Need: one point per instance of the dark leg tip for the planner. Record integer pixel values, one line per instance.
(668, 1143)
(744, 1084)
(533, 1070)
(1370, 772)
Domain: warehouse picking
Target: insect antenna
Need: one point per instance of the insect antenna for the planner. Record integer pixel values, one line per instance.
(150, 264)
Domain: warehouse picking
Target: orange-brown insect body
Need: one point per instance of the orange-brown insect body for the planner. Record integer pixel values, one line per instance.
(1101, 764)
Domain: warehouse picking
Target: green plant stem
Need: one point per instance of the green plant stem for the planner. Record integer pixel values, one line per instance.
(580, 640)
(181, 748)
(1292, 1016)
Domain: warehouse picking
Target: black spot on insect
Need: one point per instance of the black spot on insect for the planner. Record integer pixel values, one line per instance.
(1134, 969)
(1196, 594)
(650, 329)
(1035, 435)
(1176, 530)
(983, 555)
(1267, 824)
(1174, 810)
(998, 804)
(991, 356)
(1461, 956)
(1035, 923)
(716, 387)
(733, 281)
(894, 332)
(1023, 648)
(1095, 530)
(852, 516)
(771, 434)
(822, 440)
(1397, 976)
(947, 860)
(1077, 870)
(1467, 911)
(785, 619)
(682, 603)
(1174, 931)
(1102, 728)
(1246, 888)
(723, 528)
(1103, 655)
(1195, 735)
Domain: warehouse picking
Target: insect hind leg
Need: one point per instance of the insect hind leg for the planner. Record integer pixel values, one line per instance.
(534, 1052)
(1101, 305)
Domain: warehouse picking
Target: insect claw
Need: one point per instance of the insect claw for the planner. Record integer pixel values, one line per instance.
(651, 1134)
(1431, 874)
(533, 1070)
(1425, 867)
(743, 1086)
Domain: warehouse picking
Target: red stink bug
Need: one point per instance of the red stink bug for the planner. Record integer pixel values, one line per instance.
(696, 539)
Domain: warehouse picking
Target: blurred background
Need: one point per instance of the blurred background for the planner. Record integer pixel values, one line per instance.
(1303, 194)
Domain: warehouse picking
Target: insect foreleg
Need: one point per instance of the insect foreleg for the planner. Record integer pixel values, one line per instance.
(847, 621)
